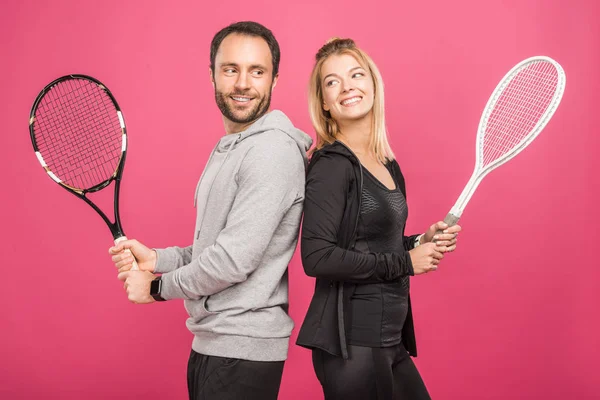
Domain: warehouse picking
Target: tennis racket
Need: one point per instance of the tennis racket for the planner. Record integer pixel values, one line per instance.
(79, 136)
(518, 110)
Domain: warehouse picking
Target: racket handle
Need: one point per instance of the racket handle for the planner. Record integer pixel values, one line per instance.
(134, 266)
(450, 220)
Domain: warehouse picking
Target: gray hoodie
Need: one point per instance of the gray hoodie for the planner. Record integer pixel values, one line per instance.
(234, 276)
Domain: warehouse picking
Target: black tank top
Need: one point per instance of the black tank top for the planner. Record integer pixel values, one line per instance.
(379, 309)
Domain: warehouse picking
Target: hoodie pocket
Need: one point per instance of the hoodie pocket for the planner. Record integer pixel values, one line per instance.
(198, 309)
(204, 305)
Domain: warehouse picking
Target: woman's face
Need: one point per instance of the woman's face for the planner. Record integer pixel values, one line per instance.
(348, 90)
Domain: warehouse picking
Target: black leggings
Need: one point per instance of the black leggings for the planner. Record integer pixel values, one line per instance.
(386, 373)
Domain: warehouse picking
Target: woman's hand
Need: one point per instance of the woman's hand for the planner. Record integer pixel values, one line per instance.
(425, 258)
(446, 240)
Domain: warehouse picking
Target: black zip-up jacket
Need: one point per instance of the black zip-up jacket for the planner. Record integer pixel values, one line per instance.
(331, 211)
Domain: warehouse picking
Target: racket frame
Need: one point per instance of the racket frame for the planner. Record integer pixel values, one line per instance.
(480, 172)
(115, 227)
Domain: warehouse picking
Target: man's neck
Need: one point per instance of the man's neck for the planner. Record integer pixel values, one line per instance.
(236, 127)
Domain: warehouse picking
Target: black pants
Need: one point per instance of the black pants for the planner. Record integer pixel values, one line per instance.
(218, 378)
(386, 373)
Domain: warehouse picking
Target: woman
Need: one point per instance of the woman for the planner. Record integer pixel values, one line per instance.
(359, 324)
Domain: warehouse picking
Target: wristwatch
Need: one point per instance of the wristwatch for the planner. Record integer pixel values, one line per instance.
(155, 289)
(417, 241)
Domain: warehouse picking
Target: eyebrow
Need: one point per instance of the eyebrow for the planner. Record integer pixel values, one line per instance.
(334, 74)
(232, 64)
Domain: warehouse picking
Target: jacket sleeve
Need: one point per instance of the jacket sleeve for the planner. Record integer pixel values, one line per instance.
(269, 182)
(327, 189)
(409, 242)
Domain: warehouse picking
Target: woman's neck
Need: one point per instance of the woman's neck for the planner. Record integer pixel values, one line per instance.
(357, 136)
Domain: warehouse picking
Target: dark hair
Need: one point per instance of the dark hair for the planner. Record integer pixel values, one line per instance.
(248, 28)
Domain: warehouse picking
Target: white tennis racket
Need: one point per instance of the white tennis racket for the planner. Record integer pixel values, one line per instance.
(518, 110)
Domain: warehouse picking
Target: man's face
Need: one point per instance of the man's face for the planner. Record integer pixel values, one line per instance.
(243, 80)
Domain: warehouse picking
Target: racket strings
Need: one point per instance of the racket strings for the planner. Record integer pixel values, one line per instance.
(78, 133)
(56, 147)
(84, 121)
(520, 106)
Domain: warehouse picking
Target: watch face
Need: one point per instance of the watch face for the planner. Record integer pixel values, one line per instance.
(155, 287)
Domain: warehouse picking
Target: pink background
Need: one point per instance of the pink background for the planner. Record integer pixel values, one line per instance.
(512, 315)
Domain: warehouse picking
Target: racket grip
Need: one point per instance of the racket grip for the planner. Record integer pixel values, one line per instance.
(450, 220)
(134, 266)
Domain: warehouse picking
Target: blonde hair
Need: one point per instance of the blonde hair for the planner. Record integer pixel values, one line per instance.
(325, 126)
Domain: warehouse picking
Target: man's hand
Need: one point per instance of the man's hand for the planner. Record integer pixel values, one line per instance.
(137, 286)
(145, 257)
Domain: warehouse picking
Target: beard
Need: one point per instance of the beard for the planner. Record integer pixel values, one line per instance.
(242, 115)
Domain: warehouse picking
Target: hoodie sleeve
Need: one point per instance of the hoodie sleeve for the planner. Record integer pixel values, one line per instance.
(171, 258)
(270, 181)
(327, 188)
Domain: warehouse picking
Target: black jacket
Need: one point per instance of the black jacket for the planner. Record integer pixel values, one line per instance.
(331, 211)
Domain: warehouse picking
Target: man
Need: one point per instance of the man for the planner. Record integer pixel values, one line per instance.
(233, 277)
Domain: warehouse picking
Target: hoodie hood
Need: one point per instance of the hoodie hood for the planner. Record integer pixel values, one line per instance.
(338, 148)
(274, 120)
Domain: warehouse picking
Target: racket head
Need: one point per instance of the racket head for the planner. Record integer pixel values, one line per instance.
(518, 110)
(78, 133)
